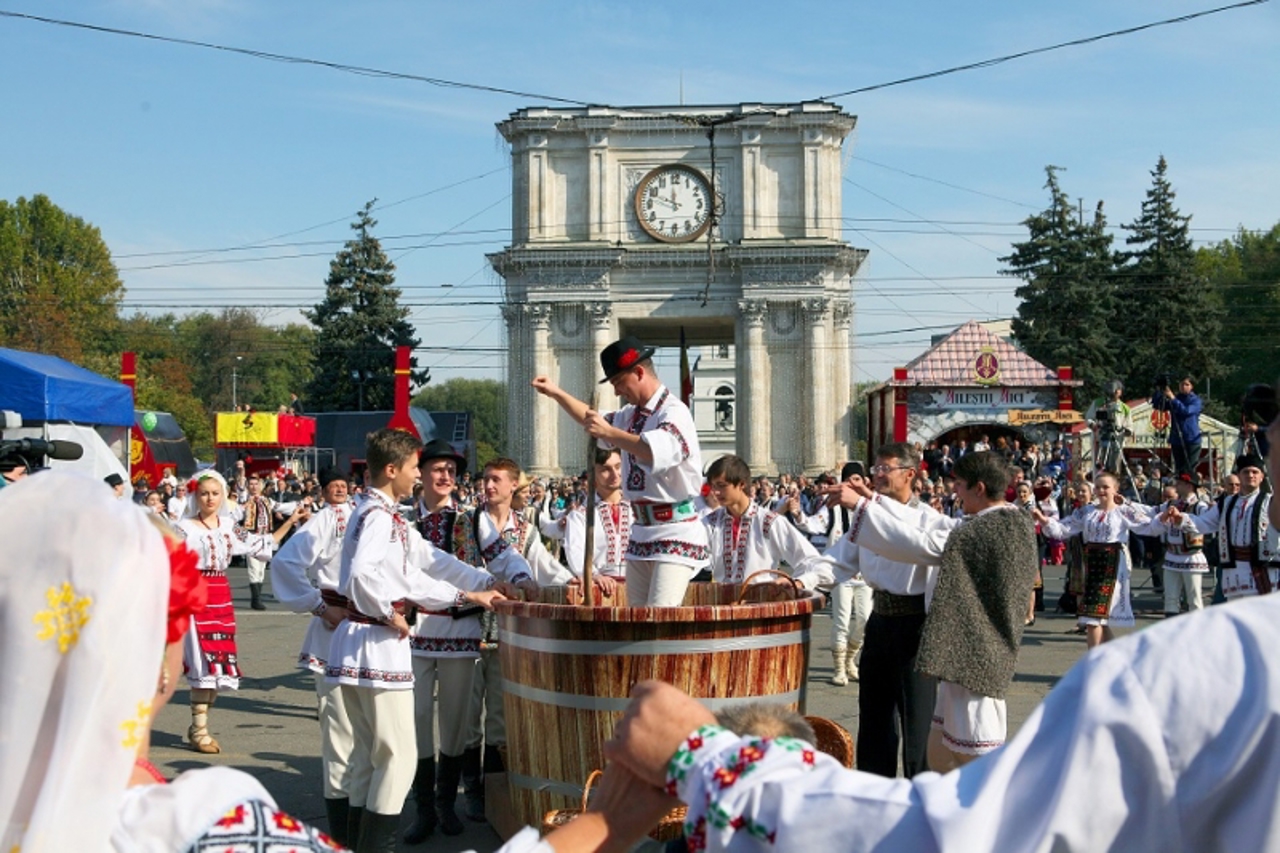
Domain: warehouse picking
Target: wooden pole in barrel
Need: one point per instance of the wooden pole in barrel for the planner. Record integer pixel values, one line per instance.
(589, 540)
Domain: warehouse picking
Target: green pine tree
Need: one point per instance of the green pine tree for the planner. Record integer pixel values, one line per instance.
(1168, 316)
(358, 326)
(1067, 301)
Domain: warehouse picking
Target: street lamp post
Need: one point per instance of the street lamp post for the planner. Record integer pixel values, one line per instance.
(357, 376)
(235, 402)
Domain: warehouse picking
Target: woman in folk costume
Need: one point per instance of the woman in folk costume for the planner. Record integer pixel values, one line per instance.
(210, 653)
(1106, 526)
(90, 658)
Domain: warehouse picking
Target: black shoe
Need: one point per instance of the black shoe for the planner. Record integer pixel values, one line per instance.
(338, 811)
(424, 791)
(493, 762)
(255, 597)
(448, 774)
(473, 784)
(378, 833)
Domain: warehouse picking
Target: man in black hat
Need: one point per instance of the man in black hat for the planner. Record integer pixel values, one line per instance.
(1249, 546)
(1184, 558)
(661, 471)
(116, 482)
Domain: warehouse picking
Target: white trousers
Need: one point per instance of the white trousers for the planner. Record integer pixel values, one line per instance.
(1176, 582)
(442, 698)
(652, 583)
(486, 703)
(384, 754)
(257, 569)
(335, 739)
(850, 607)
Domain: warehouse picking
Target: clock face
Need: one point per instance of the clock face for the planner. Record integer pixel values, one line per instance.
(673, 204)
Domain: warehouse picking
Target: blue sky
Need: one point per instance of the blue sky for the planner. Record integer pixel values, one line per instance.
(168, 148)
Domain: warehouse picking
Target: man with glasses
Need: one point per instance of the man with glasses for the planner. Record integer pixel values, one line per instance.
(895, 703)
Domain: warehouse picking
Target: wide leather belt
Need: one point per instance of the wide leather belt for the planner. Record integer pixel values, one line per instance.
(333, 598)
(887, 604)
(648, 513)
(365, 619)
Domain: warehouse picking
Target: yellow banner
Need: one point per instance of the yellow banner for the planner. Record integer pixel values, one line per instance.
(1022, 417)
(242, 428)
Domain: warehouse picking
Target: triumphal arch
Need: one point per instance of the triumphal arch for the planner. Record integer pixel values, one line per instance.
(724, 221)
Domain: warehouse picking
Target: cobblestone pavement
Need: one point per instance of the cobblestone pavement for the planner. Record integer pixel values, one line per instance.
(268, 727)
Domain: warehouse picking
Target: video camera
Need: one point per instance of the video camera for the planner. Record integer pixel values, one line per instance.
(1259, 405)
(1162, 382)
(32, 453)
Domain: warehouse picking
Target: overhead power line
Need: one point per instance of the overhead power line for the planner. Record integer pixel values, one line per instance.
(1009, 57)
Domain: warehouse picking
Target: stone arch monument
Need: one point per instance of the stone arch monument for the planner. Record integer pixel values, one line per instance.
(611, 236)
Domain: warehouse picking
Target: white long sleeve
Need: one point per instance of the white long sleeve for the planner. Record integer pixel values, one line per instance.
(293, 579)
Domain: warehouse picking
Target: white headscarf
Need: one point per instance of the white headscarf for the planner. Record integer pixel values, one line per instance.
(83, 602)
(193, 504)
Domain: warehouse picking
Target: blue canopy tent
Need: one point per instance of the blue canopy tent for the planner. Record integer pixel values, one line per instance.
(48, 388)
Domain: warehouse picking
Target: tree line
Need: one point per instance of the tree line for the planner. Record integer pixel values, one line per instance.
(1156, 305)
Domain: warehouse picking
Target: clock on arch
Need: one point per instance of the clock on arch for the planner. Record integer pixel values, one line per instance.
(673, 203)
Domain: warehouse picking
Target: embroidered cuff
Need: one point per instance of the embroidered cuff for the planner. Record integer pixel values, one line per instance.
(493, 580)
(518, 579)
(705, 741)
(319, 609)
(460, 600)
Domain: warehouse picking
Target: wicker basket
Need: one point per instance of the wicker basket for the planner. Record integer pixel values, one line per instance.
(559, 817)
(833, 739)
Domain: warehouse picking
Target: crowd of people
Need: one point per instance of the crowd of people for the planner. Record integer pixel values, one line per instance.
(931, 557)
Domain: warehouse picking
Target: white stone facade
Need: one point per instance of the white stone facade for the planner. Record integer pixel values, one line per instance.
(772, 278)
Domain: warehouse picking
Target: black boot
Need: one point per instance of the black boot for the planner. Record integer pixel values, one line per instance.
(355, 817)
(378, 833)
(493, 762)
(424, 792)
(255, 597)
(473, 783)
(338, 810)
(448, 773)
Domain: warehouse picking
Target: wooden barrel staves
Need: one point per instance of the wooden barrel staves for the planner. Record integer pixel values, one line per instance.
(568, 671)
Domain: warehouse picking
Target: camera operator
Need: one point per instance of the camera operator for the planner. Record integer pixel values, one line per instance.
(1184, 416)
(1111, 420)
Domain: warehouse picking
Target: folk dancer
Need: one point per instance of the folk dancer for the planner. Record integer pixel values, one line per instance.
(661, 471)
(502, 533)
(1110, 420)
(304, 578)
(1248, 543)
(893, 696)
(1105, 526)
(258, 510)
(612, 523)
(851, 599)
(209, 654)
(388, 569)
(744, 537)
(445, 644)
(988, 565)
(1185, 562)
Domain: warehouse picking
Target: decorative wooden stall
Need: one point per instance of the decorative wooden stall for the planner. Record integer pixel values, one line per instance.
(568, 671)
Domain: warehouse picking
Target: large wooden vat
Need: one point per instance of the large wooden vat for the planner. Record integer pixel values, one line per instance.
(568, 671)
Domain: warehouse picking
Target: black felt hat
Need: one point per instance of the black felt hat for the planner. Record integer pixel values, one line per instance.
(1250, 460)
(438, 448)
(851, 468)
(330, 475)
(623, 355)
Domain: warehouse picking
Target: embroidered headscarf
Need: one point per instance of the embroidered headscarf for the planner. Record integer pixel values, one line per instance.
(83, 603)
(193, 487)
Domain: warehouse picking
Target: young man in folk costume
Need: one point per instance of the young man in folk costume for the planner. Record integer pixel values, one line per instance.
(895, 701)
(988, 564)
(744, 537)
(661, 471)
(851, 599)
(501, 533)
(1248, 543)
(258, 510)
(612, 524)
(446, 648)
(388, 570)
(1185, 562)
(304, 578)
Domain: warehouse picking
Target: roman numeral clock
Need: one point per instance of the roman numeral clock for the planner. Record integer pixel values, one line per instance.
(673, 204)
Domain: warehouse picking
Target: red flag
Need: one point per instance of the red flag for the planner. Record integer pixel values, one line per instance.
(686, 375)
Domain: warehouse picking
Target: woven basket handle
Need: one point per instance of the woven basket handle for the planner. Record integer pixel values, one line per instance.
(746, 583)
(586, 789)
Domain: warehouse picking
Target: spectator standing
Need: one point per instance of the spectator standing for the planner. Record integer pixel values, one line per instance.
(1184, 410)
